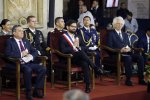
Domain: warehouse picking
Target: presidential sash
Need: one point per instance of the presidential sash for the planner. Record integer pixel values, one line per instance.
(69, 40)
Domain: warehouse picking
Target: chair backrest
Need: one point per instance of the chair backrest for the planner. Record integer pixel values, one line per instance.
(133, 38)
(3, 40)
(103, 39)
(54, 44)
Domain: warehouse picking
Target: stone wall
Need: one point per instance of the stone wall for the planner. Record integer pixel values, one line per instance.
(58, 12)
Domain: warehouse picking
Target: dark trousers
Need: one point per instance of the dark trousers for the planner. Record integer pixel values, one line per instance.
(97, 58)
(80, 58)
(39, 70)
(27, 70)
(128, 59)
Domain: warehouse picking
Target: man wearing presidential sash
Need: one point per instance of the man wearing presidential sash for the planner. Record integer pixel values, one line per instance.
(70, 43)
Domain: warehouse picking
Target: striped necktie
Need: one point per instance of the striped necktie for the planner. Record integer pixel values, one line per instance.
(21, 46)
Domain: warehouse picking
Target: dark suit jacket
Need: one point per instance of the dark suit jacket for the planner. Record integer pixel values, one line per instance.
(143, 43)
(12, 49)
(38, 40)
(114, 41)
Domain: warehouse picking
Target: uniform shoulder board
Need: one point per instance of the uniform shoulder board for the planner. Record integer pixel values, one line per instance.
(64, 30)
(52, 31)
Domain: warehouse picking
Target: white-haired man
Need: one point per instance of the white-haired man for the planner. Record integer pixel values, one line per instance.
(119, 40)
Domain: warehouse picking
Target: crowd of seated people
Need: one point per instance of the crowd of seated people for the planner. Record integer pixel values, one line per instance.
(78, 38)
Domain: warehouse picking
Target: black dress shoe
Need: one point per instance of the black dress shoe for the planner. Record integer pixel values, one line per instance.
(98, 71)
(29, 96)
(38, 93)
(142, 82)
(87, 89)
(128, 83)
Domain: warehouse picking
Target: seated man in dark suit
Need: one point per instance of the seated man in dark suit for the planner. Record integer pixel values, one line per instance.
(119, 40)
(69, 43)
(144, 42)
(18, 47)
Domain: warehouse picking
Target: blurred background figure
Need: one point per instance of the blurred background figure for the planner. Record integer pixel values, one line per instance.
(131, 24)
(144, 42)
(122, 11)
(73, 9)
(85, 12)
(97, 13)
(6, 27)
(75, 94)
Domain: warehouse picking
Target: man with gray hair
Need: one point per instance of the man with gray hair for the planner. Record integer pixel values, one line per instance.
(75, 94)
(119, 40)
(19, 47)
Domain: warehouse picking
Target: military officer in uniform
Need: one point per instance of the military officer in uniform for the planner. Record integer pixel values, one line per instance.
(56, 33)
(35, 36)
(59, 30)
(90, 38)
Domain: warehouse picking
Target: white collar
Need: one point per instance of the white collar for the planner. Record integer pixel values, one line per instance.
(32, 30)
(118, 31)
(17, 39)
(147, 36)
(95, 7)
(86, 28)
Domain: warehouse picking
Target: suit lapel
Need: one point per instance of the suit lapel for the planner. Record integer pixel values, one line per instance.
(118, 38)
(16, 45)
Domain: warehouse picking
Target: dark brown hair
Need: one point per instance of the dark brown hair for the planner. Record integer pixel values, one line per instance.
(3, 22)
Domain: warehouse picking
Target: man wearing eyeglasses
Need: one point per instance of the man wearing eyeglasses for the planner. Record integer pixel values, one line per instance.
(70, 44)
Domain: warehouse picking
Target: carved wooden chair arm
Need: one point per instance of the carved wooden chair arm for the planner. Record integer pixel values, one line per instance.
(62, 54)
(104, 47)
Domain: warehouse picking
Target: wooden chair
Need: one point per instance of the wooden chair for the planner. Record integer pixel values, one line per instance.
(106, 60)
(67, 67)
(18, 75)
(116, 62)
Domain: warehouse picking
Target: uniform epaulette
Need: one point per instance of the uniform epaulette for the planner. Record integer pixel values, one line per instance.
(64, 30)
(52, 31)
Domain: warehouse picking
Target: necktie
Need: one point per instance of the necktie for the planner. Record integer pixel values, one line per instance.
(120, 35)
(88, 30)
(113, 4)
(21, 46)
